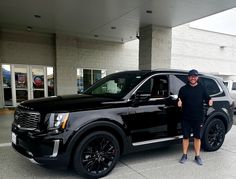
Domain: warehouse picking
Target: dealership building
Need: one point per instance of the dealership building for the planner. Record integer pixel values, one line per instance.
(41, 63)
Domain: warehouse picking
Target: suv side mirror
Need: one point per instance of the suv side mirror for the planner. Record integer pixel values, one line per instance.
(174, 97)
(172, 100)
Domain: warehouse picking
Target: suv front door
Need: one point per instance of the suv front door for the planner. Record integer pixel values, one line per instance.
(148, 118)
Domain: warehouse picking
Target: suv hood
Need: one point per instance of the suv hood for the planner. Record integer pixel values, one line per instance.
(66, 103)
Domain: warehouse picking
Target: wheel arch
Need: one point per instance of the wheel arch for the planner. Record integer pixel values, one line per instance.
(101, 125)
(223, 117)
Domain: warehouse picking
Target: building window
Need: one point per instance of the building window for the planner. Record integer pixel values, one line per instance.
(6, 73)
(50, 81)
(86, 77)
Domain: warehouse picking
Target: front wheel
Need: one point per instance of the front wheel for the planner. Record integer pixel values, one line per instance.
(214, 135)
(96, 155)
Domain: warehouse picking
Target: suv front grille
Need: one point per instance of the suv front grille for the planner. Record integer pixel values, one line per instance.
(26, 119)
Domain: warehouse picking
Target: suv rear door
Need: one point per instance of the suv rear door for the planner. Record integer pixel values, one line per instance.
(174, 113)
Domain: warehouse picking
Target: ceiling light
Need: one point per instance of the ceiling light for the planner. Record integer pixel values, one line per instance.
(37, 16)
(29, 28)
(149, 11)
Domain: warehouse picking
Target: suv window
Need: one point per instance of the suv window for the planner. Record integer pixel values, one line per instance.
(234, 86)
(157, 86)
(176, 82)
(115, 85)
(211, 86)
(226, 83)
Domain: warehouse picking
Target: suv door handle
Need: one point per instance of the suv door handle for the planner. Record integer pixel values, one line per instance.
(162, 107)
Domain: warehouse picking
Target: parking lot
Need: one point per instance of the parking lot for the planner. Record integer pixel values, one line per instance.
(159, 163)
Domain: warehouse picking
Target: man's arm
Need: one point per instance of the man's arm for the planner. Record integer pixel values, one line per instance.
(210, 102)
(180, 96)
(207, 98)
(179, 103)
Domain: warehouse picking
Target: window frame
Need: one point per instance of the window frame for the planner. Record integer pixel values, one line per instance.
(145, 80)
(217, 83)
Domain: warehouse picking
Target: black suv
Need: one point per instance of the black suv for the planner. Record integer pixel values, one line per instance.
(121, 113)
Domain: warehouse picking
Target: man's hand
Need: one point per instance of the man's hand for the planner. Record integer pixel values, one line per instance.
(179, 103)
(210, 103)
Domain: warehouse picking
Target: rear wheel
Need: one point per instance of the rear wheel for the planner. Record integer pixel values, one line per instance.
(96, 155)
(214, 135)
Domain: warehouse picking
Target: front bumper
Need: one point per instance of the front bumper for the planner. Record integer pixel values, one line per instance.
(46, 149)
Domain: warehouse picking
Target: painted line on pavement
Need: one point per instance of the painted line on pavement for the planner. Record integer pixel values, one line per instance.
(5, 145)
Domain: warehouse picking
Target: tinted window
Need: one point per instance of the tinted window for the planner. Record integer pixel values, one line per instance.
(226, 83)
(234, 86)
(115, 85)
(176, 82)
(210, 85)
(157, 86)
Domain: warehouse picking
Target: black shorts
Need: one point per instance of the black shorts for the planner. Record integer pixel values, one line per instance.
(189, 126)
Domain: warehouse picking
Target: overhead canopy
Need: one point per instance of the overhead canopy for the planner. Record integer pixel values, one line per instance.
(114, 20)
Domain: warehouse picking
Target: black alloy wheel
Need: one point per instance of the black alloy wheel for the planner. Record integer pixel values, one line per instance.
(214, 135)
(96, 155)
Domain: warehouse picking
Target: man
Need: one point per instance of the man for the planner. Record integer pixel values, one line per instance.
(191, 99)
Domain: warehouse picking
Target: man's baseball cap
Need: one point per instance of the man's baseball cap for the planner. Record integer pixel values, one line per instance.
(193, 72)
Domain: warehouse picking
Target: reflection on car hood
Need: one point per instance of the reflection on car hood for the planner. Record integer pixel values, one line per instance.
(65, 103)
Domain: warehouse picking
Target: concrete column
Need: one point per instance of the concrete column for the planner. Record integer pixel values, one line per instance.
(66, 71)
(155, 47)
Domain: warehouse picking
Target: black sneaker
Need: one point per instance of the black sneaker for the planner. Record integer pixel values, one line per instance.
(198, 160)
(183, 159)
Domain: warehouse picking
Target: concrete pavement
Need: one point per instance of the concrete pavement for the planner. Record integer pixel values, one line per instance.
(159, 163)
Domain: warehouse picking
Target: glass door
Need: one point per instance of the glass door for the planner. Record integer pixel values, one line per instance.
(20, 82)
(38, 76)
(24, 82)
(7, 85)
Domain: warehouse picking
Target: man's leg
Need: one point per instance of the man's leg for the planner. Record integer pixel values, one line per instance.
(197, 142)
(197, 146)
(185, 145)
(185, 141)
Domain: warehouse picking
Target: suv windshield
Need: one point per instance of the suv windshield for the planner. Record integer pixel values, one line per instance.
(116, 85)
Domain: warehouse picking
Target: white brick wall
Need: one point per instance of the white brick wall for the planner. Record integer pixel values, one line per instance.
(73, 53)
(107, 55)
(194, 48)
(27, 48)
(66, 53)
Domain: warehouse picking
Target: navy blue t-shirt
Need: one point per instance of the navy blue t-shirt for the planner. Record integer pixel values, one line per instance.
(193, 98)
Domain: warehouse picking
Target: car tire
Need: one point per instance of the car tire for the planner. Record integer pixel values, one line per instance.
(96, 155)
(214, 135)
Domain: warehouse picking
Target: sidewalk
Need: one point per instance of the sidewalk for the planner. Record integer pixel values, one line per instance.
(163, 163)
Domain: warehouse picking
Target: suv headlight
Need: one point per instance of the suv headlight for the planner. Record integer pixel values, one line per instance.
(57, 120)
